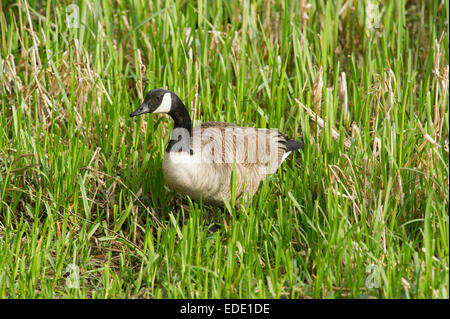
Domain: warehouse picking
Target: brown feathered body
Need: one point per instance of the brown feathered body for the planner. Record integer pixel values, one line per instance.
(217, 149)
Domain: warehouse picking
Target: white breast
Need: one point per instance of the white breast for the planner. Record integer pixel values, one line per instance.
(181, 173)
(188, 175)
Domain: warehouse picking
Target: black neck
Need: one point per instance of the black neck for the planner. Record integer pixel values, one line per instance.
(180, 115)
(182, 129)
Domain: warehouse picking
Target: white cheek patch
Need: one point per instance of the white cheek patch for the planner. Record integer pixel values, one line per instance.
(165, 105)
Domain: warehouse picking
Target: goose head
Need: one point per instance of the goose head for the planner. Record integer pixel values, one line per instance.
(157, 101)
(167, 102)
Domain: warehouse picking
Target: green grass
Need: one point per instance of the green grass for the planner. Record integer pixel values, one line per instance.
(81, 183)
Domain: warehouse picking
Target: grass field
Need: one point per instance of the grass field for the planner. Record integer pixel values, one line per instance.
(361, 212)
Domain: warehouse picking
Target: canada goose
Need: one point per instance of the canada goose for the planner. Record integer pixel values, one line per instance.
(198, 161)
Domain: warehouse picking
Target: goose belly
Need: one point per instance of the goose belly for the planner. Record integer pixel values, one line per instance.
(189, 176)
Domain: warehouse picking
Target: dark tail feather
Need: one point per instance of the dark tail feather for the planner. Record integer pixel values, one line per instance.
(292, 145)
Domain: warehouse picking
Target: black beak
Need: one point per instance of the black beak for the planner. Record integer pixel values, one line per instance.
(141, 110)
